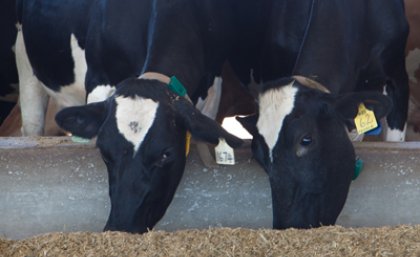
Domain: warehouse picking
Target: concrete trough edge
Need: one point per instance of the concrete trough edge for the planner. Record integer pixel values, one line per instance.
(53, 184)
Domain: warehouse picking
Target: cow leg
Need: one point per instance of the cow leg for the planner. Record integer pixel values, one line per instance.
(33, 97)
(398, 90)
(209, 107)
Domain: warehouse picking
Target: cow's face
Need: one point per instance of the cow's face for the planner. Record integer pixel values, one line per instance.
(141, 134)
(300, 139)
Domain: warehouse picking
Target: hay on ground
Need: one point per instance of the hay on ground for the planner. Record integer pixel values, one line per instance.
(325, 241)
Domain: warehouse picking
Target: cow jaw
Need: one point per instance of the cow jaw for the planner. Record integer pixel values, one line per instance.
(134, 117)
(275, 105)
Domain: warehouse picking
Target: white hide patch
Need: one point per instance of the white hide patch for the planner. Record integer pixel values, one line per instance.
(412, 63)
(75, 93)
(210, 105)
(100, 93)
(134, 118)
(275, 105)
(33, 97)
(395, 135)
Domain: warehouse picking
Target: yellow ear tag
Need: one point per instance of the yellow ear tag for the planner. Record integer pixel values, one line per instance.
(187, 143)
(365, 120)
(224, 153)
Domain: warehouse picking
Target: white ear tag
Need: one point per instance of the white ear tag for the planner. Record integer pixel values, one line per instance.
(224, 153)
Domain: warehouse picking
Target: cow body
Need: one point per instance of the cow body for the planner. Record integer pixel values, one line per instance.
(116, 46)
(50, 57)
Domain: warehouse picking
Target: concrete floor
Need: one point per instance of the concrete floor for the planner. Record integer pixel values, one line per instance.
(52, 184)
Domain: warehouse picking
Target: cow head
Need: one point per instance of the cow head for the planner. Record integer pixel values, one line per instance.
(300, 139)
(141, 134)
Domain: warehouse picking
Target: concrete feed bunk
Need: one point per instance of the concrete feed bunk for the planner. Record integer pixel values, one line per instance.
(52, 184)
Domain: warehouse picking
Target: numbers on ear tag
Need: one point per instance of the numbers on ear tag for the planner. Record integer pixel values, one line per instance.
(224, 153)
(365, 120)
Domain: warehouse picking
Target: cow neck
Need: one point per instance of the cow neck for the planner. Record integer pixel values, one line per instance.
(173, 83)
(310, 83)
(305, 34)
(175, 43)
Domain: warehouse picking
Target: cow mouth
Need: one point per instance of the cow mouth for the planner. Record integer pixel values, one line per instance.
(135, 224)
(303, 211)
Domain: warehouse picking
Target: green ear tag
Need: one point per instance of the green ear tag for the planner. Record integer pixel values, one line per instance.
(358, 168)
(176, 86)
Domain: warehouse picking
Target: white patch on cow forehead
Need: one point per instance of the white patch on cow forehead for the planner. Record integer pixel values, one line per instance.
(134, 118)
(100, 93)
(412, 63)
(275, 105)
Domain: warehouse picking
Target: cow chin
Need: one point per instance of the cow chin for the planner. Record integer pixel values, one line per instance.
(139, 201)
(133, 220)
(304, 212)
(298, 204)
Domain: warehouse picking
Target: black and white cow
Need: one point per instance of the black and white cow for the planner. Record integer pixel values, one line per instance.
(8, 72)
(306, 152)
(141, 128)
(299, 133)
(141, 133)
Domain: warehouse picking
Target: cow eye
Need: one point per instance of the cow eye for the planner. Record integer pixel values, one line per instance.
(165, 157)
(306, 140)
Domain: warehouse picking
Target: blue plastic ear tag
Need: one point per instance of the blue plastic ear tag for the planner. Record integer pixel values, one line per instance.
(375, 132)
(176, 86)
(357, 168)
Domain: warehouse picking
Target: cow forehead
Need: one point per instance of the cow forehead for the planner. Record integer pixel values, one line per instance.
(275, 104)
(134, 118)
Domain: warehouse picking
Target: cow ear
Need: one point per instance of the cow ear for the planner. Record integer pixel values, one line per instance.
(348, 105)
(249, 123)
(202, 127)
(83, 121)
